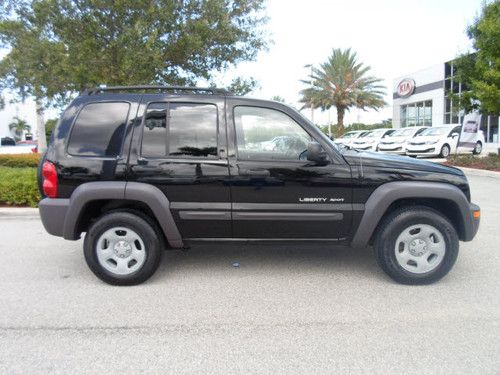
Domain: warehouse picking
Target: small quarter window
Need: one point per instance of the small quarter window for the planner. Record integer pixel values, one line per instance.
(99, 129)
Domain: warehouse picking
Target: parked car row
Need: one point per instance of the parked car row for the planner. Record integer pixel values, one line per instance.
(414, 141)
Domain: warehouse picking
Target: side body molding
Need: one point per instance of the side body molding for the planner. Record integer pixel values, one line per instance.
(135, 191)
(386, 194)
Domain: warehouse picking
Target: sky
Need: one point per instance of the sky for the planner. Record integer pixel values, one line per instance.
(394, 37)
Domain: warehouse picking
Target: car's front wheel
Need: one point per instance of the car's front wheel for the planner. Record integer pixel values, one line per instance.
(416, 245)
(122, 248)
(445, 151)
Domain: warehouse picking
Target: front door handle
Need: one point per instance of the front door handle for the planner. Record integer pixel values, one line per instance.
(255, 172)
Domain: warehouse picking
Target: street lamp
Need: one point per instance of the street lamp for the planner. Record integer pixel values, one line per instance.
(310, 66)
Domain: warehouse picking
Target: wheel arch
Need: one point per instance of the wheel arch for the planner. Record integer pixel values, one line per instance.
(447, 199)
(92, 199)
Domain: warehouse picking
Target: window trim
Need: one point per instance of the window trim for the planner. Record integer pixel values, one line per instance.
(100, 157)
(180, 158)
(235, 140)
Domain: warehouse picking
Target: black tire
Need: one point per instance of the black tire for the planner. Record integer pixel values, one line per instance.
(147, 233)
(394, 224)
(477, 149)
(445, 151)
(39, 175)
(413, 156)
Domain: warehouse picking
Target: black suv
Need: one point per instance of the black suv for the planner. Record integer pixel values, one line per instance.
(143, 168)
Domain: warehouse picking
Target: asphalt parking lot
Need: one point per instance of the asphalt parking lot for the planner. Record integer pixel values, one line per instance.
(284, 310)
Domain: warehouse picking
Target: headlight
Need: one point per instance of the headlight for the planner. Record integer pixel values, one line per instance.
(431, 142)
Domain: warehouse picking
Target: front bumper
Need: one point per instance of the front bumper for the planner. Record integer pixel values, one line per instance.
(363, 147)
(424, 150)
(53, 215)
(392, 149)
(475, 215)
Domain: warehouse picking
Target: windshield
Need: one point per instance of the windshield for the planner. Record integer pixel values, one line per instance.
(349, 135)
(404, 132)
(374, 133)
(435, 131)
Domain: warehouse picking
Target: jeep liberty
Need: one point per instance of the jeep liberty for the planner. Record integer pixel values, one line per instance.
(143, 168)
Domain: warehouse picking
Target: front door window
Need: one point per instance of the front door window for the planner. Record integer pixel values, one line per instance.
(268, 134)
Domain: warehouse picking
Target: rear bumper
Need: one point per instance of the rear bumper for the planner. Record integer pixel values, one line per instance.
(53, 215)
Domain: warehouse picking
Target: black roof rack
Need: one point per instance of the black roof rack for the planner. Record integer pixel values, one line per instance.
(201, 90)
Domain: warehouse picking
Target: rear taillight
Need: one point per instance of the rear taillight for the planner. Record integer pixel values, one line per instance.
(49, 174)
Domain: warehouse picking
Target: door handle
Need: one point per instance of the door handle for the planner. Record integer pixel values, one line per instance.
(255, 172)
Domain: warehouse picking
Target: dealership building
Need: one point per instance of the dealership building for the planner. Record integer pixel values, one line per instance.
(420, 99)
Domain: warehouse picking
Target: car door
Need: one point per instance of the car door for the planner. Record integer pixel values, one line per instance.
(180, 148)
(453, 137)
(277, 193)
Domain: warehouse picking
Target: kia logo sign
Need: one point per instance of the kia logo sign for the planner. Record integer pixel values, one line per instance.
(406, 87)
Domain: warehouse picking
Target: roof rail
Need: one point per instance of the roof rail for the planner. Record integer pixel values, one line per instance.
(201, 90)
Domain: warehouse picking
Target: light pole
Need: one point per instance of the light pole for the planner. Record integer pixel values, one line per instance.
(310, 76)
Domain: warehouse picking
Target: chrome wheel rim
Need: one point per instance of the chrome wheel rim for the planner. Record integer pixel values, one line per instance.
(121, 251)
(420, 248)
(479, 148)
(445, 151)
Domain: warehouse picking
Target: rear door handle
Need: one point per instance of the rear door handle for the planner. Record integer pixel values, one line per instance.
(255, 172)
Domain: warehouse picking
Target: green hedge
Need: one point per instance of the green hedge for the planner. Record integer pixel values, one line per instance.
(19, 160)
(18, 186)
(490, 162)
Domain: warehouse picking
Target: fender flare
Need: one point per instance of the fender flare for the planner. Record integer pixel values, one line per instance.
(132, 191)
(380, 200)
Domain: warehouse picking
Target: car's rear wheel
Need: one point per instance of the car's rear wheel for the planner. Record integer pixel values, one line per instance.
(478, 148)
(445, 151)
(122, 249)
(416, 245)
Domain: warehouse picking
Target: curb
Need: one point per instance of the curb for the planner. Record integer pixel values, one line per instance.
(18, 212)
(480, 172)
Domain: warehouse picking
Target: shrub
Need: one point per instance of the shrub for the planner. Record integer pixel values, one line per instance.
(18, 186)
(489, 162)
(19, 160)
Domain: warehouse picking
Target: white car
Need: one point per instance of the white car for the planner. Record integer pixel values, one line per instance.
(348, 138)
(442, 141)
(370, 140)
(395, 143)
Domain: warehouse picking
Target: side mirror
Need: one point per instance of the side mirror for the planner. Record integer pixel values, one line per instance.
(454, 135)
(316, 153)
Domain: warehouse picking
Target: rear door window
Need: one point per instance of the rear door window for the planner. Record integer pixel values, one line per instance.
(99, 129)
(180, 130)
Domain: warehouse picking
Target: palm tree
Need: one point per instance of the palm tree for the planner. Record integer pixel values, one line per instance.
(342, 82)
(19, 126)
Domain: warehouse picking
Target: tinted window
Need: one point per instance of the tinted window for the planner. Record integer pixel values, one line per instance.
(98, 130)
(267, 134)
(179, 129)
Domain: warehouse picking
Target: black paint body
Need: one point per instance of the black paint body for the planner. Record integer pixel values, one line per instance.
(225, 197)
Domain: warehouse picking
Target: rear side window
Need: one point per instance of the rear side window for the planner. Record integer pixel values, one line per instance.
(180, 130)
(99, 129)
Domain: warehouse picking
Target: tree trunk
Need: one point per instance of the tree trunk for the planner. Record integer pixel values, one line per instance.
(340, 120)
(40, 127)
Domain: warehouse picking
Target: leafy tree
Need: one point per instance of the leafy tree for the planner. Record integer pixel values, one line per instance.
(480, 71)
(278, 98)
(240, 86)
(59, 47)
(49, 128)
(342, 82)
(19, 126)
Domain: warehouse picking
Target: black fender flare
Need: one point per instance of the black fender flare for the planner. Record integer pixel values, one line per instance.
(380, 200)
(122, 190)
